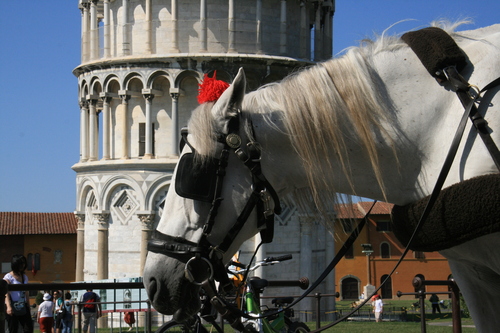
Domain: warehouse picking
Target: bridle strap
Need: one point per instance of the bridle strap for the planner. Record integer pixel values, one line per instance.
(172, 246)
(462, 87)
(221, 172)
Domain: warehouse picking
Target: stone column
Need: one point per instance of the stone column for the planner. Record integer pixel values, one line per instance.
(258, 19)
(318, 42)
(203, 26)
(80, 246)
(147, 224)
(125, 29)
(102, 219)
(148, 154)
(174, 93)
(105, 125)
(107, 31)
(124, 126)
(84, 131)
(149, 14)
(283, 28)
(230, 28)
(93, 131)
(94, 33)
(306, 223)
(304, 32)
(175, 28)
(84, 7)
(329, 255)
(327, 33)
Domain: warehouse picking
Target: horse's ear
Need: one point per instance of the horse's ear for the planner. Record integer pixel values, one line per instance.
(229, 103)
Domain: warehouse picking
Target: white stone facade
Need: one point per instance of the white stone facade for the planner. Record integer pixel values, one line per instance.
(142, 61)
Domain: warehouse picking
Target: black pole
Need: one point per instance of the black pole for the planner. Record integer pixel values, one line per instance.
(421, 296)
(455, 307)
(318, 310)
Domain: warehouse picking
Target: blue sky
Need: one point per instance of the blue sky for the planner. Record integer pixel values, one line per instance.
(40, 46)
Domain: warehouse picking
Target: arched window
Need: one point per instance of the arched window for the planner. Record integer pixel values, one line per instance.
(386, 290)
(350, 289)
(385, 250)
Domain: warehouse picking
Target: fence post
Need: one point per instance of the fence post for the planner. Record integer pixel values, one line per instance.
(149, 318)
(421, 296)
(318, 309)
(79, 318)
(455, 307)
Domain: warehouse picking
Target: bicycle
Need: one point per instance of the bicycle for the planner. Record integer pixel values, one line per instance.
(278, 320)
(268, 320)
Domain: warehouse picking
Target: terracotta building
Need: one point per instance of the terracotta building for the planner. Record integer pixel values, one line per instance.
(48, 240)
(376, 252)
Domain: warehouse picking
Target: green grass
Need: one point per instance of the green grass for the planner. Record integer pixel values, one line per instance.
(412, 325)
(373, 327)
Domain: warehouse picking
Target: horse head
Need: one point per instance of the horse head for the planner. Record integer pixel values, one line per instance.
(211, 207)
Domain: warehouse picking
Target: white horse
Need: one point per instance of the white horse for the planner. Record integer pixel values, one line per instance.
(372, 123)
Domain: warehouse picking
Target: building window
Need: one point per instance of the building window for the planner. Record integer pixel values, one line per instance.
(33, 261)
(350, 253)
(384, 226)
(385, 250)
(142, 139)
(418, 255)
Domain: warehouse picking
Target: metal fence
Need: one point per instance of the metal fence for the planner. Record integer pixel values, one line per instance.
(147, 319)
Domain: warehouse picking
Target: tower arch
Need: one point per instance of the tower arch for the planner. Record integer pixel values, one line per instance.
(138, 82)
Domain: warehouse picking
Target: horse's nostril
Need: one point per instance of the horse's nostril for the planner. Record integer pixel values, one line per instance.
(152, 288)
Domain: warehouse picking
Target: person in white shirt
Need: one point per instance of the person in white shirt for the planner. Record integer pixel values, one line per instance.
(17, 303)
(378, 308)
(45, 315)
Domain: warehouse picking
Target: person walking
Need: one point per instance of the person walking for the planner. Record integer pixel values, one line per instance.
(434, 299)
(129, 318)
(17, 303)
(91, 310)
(67, 320)
(378, 308)
(45, 316)
(58, 302)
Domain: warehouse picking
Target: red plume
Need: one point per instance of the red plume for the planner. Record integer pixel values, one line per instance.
(211, 89)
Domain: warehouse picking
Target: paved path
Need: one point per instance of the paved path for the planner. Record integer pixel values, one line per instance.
(447, 323)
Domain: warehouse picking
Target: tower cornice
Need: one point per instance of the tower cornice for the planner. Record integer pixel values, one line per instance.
(177, 60)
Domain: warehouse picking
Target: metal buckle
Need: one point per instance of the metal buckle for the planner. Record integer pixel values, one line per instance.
(190, 268)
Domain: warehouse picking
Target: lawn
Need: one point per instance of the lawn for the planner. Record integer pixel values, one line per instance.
(372, 327)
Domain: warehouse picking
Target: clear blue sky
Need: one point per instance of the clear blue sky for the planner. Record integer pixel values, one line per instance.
(40, 46)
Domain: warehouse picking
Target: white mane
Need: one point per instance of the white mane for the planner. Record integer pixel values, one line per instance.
(322, 106)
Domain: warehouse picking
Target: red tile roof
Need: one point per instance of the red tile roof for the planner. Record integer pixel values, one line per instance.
(15, 223)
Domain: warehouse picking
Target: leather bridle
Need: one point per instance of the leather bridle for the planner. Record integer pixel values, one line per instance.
(203, 260)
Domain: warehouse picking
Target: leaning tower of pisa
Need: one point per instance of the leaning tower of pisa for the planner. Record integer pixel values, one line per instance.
(141, 63)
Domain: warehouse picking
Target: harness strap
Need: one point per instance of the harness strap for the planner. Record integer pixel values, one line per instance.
(461, 87)
(240, 221)
(221, 172)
